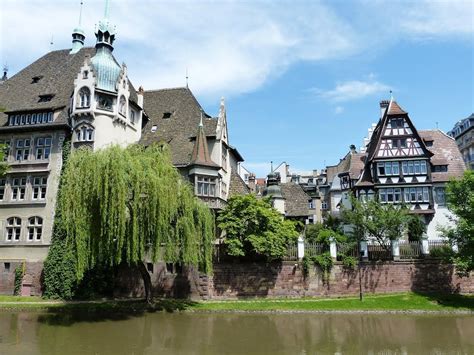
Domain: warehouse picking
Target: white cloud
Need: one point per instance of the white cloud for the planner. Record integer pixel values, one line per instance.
(338, 110)
(352, 90)
(228, 47)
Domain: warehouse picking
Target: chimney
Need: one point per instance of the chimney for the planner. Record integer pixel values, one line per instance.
(383, 106)
(140, 96)
(252, 184)
(352, 147)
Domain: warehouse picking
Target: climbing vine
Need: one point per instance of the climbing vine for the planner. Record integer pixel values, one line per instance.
(124, 205)
(19, 273)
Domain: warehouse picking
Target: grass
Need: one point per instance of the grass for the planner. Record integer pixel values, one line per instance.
(392, 302)
(387, 302)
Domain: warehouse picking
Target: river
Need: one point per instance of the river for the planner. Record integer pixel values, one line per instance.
(232, 333)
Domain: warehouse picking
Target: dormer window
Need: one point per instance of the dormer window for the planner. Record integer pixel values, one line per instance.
(35, 79)
(85, 74)
(429, 143)
(153, 128)
(166, 115)
(123, 106)
(84, 99)
(45, 98)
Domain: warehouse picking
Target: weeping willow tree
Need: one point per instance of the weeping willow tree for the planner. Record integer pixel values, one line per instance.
(126, 205)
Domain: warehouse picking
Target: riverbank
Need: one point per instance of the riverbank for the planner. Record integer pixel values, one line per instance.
(405, 302)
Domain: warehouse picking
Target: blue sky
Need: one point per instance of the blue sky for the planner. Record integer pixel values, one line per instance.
(302, 79)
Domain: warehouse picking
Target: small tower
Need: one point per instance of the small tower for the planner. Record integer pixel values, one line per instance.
(78, 35)
(105, 66)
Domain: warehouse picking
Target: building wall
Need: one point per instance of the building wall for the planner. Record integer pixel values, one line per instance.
(32, 250)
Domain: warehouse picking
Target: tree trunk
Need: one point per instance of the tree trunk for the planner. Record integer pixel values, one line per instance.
(146, 281)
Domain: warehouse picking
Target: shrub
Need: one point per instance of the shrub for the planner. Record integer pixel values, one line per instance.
(19, 273)
(349, 262)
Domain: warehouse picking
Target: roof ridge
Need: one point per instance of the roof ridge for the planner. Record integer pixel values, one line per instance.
(168, 89)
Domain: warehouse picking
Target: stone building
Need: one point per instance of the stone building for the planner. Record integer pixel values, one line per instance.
(81, 94)
(199, 143)
(463, 133)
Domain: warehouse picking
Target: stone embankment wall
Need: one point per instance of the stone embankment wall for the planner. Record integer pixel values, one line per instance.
(236, 280)
(287, 279)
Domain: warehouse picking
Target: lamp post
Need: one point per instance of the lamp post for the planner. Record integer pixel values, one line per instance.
(361, 256)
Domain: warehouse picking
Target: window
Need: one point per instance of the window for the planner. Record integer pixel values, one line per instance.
(132, 116)
(85, 74)
(35, 228)
(440, 168)
(2, 188)
(13, 229)
(39, 187)
(414, 167)
(123, 106)
(43, 148)
(206, 186)
(440, 196)
(18, 188)
(35, 79)
(85, 134)
(324, 205)
(399, 143)
(397, 123)
(310, 204)
(45, 98)
(105, 102)
(6, 267)
(391, 195)
(417, 194)
(388, 168)
(166, 115)
(22, 151)
(84, 97)
(224, 159)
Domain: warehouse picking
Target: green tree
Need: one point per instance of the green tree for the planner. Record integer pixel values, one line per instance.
(253, 227)
(125, 205)
(460, 198)
(416, 228)
(381, 221)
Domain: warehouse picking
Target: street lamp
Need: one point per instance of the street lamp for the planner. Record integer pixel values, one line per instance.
(361, 256)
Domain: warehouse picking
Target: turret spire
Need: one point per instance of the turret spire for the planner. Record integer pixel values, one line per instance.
(105, 32)
(78, 35)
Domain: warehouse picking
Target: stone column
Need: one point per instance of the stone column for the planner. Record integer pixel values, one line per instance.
(395, 249)
(300, 247)
(425, 248)
(364, 250)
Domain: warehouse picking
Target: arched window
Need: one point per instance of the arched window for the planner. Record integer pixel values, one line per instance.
(13, 229)
(84, 99)
(123, 106)
(35, 228)
(84, 133)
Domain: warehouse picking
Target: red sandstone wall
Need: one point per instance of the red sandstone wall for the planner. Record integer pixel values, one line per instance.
(33, 277)
(287, 280)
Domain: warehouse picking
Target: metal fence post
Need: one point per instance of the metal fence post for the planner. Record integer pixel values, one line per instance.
(300, 247)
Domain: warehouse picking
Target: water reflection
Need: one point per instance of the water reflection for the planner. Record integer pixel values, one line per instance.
(164, 333)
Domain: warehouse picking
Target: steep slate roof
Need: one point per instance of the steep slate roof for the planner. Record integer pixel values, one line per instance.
(445, 152)
(57, 71)
(200, 155)
(237, 185)
(296, 200)
(180, 128)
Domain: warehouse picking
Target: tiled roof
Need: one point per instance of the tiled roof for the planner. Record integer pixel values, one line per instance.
(395, 109)
(296, 200)
(56, 72)
(237, 185)
(180, 127)
(357, 163)
(200, 155)
(445, 152)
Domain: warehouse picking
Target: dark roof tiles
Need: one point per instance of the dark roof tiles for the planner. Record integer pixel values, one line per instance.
(296, 200)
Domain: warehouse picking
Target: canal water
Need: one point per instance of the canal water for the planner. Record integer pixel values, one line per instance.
(207, 333)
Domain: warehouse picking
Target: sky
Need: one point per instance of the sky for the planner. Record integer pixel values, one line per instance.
(302, 80)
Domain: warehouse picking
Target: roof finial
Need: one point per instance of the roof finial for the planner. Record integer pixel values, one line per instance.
(106, 12)
(271, 166)
(187, 77)
(391, 95)
(51, 44)
(5, 72)
(200, 122)
(80, 14)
